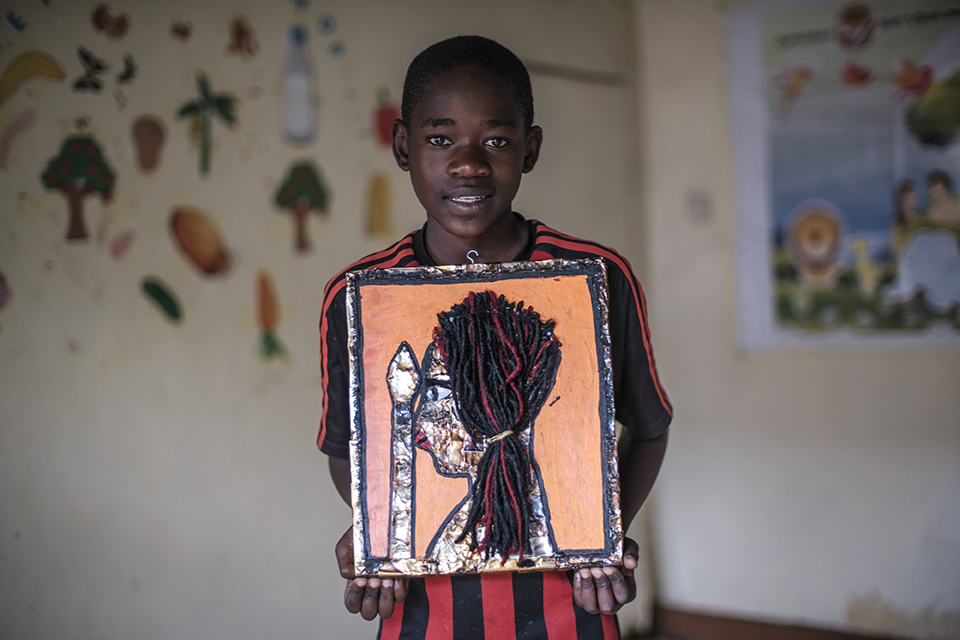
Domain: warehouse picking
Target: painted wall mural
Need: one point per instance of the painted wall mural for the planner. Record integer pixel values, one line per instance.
(79, 170)
(268, 317)
(203, 111)
(282, 80)
(302, 192)
(148, 134)
(847, 142)
(299, 114)
(21, 123)
(383, 116)
(163, 298)
(378, 206)
(25, 67)
(200, 241)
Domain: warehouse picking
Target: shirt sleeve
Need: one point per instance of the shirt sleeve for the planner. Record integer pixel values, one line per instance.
(334, 436)
(641, 403)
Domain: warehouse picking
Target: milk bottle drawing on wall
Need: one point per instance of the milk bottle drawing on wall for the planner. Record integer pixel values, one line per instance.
(299, 119)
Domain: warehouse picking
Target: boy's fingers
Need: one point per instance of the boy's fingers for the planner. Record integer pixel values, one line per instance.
(624, 587)
(386, 599)
(400, 589)
(345, 555)
(606, 601)
(370, 605)
(631, 554)
(584, 593)
(353, 595)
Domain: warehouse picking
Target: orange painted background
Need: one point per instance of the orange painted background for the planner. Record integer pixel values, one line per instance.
(566, 434)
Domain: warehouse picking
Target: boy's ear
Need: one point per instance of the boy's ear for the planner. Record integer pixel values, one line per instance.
(534, 140)
(399, 145)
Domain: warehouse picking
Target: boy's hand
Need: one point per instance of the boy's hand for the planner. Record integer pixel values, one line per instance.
(369, 597)
(605, 590)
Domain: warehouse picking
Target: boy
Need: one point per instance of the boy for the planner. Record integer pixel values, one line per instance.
(466, 136)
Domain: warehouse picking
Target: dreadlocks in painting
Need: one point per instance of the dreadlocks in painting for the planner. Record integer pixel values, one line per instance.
(488, 373)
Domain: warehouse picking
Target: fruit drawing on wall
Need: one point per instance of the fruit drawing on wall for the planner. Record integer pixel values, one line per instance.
(32, 63)
(268, 317)
(199, 239)
(383, 117)
(79, 170)
(303, 191)
(203, 111)
(148, 135)
(378, 206)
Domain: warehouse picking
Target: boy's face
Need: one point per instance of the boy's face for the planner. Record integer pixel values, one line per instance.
(466, 150)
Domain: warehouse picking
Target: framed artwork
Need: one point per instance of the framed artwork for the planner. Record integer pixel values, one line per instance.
(846, 132)
(482, 422)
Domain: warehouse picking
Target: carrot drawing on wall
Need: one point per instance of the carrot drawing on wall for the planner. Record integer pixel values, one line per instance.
(268, 317)
(202, 112)
(303, 191)
(80, 169)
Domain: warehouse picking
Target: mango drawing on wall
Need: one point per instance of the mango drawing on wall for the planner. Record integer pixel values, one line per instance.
(202, 112)
(199, 238)
(303, 191)
(268, 317)
(79, 170)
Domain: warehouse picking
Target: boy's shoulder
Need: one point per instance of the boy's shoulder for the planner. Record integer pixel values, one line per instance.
(550, 243)
(399, 254)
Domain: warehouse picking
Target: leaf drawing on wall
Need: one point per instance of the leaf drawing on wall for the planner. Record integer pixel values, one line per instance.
(203, 110)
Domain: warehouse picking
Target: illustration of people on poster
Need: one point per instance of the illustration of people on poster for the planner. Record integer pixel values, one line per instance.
(851, 232)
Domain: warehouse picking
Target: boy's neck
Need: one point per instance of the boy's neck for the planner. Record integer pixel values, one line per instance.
(500, 243)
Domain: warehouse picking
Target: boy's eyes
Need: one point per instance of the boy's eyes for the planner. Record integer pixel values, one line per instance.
(443, 141)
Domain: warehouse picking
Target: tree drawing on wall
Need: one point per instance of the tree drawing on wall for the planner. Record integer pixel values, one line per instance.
(302, 192)
(80, 169)
(203, 110)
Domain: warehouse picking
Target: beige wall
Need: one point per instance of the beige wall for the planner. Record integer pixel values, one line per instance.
(814, 486)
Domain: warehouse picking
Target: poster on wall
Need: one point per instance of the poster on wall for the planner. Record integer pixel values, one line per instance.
(846, 126)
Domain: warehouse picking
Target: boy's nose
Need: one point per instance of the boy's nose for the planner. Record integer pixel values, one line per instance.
(469, 162)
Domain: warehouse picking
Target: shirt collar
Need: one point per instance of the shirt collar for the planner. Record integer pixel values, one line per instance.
(425, 259)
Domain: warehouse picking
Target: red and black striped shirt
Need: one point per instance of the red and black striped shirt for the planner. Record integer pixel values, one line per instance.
(510, 606)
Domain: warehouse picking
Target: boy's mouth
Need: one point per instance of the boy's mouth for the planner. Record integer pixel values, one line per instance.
(466, 199)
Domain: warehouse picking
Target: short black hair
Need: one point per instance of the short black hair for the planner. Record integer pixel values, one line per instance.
(942, 177)
(467, 51)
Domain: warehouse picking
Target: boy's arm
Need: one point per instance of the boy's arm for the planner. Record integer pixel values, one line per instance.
(639, 462)
(369, 597)
(606, 590)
